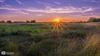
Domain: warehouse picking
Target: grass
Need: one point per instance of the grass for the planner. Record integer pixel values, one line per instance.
(37, 39)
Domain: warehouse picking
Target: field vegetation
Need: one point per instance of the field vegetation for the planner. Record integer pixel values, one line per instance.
(38, 39)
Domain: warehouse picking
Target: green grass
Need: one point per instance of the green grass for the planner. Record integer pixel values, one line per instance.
(38, 39)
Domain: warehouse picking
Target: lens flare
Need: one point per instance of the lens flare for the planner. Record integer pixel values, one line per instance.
(57, 26)
(56, 22)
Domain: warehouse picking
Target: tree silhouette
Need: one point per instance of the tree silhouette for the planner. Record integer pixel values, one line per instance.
(33, 21)
(27, 21)
(9, 21)
(93, 19)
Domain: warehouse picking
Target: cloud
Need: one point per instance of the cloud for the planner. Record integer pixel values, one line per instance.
(8, 8)
(58, 3)
(93, 1)
(18, 1)
(61, 10)
(50, 10)
(14, 10)
(89, 9)
(2, 0)
(48, 3)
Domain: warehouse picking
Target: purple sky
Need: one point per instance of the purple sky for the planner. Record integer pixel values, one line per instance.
(42, 10)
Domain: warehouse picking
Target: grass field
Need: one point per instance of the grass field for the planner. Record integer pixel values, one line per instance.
(39, 39)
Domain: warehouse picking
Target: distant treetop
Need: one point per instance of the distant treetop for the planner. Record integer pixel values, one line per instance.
(93, 19)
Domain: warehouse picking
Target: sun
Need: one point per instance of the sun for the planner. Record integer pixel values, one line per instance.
(56, 20)
(57, 27)
(56, 24)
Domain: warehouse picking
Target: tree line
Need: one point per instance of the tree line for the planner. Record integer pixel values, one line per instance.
(9, 21)
(93, 19)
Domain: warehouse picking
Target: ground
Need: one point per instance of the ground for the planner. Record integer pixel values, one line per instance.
(39, 39)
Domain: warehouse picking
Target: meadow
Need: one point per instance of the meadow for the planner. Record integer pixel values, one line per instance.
(39, 39)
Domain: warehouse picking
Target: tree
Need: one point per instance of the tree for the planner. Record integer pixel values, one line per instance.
(9, 21)
(27, 21)
(33, 21)
(93, 19)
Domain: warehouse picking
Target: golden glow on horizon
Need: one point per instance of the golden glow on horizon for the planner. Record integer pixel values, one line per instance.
(57, 26)
(56, 23)
(56, 20)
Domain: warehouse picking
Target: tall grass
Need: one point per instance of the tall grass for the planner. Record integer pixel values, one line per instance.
(38, 40)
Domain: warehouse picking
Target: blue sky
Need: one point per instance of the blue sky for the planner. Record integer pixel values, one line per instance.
(43, 10)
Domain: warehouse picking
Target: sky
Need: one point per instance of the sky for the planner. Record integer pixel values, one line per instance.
(44, 10)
